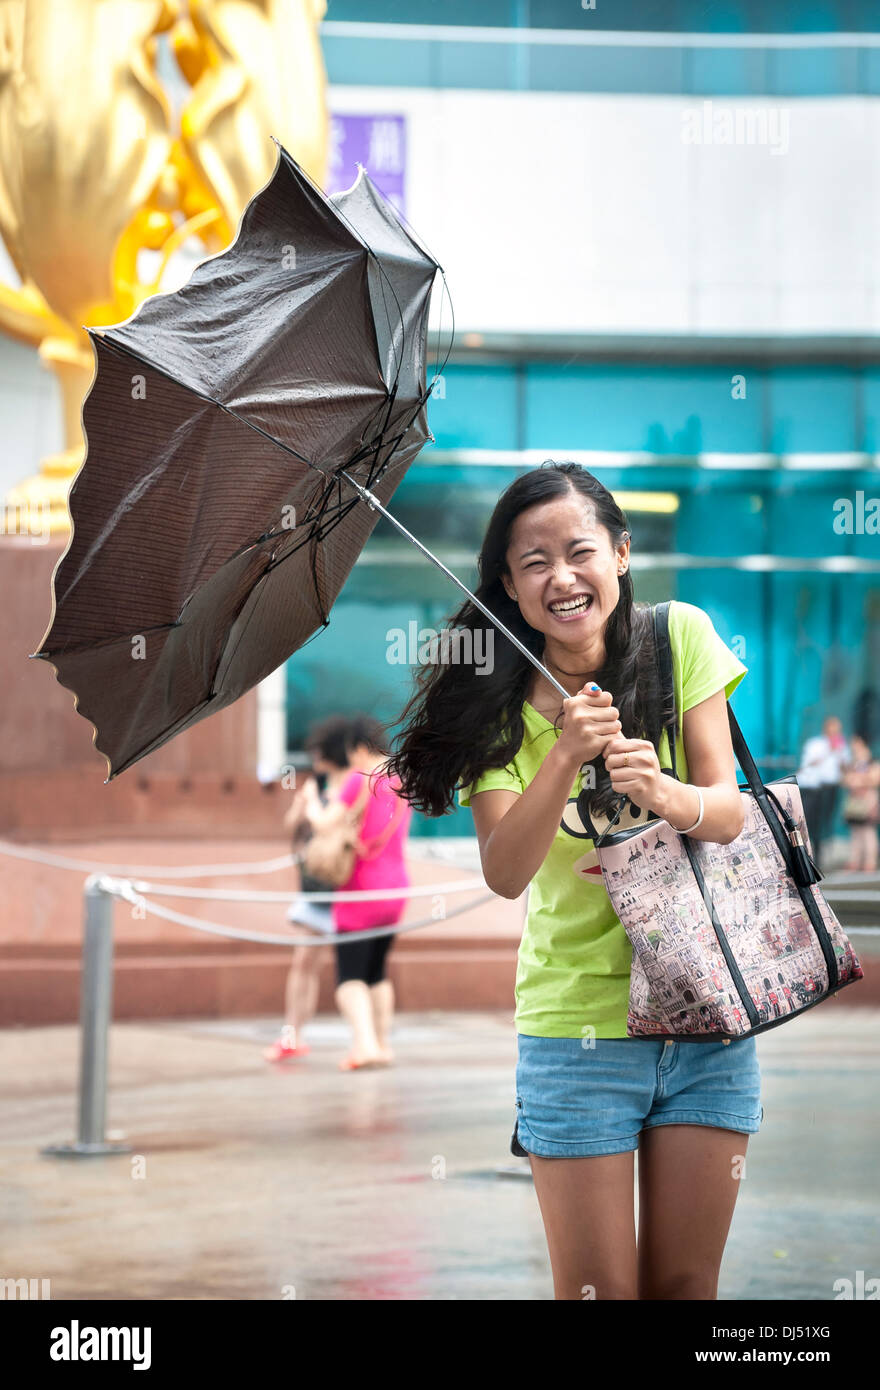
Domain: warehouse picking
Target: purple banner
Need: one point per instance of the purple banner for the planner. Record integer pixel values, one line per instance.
(377, 142)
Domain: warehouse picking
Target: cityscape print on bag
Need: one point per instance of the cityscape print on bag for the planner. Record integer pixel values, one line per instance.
(680, 980)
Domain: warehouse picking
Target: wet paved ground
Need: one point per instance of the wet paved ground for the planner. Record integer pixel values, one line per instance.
(393, 1184)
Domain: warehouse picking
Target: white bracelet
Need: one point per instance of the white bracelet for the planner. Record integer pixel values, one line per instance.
(699, 817)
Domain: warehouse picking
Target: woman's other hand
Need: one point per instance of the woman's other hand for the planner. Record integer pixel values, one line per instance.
(297, 810)
(306, 806)
(641, 778)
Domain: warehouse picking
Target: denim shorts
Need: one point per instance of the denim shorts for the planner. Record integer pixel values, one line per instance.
(576, 1097)
(317, 916)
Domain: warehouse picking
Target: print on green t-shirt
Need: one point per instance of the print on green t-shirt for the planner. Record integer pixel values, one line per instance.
(573, 967)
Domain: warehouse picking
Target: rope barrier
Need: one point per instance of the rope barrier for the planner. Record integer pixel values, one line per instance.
(269, 895)
(101, 890)
(134, 891)
(58, 861)
(127, 892)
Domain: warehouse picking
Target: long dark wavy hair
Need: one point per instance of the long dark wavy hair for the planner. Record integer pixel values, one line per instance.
(457, 724)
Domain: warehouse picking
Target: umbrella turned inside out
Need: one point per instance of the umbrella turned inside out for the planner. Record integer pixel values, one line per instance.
(229, 426)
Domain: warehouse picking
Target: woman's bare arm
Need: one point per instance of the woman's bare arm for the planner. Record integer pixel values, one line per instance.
(516, 829)
(296, 811)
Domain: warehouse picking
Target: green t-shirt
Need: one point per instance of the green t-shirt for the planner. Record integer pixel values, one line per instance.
(574, 959)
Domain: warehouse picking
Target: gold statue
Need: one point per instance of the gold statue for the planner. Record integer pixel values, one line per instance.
(256, 70)
(92, 172)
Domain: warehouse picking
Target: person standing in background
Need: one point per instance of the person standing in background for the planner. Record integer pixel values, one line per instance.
(819, 780)
(364, 996)
(327, 747)
(861, 809)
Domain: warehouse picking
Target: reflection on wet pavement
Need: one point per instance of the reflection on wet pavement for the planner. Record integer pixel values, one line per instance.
(250, 1180)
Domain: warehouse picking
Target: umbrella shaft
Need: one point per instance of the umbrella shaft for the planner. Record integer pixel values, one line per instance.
(372, 501)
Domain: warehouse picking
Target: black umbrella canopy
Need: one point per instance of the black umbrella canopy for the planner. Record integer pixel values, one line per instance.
(211, 527)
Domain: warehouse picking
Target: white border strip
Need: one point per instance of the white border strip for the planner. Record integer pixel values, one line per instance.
(599, 38)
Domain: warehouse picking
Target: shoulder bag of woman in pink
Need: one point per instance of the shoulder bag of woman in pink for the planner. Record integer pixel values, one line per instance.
(331, 852)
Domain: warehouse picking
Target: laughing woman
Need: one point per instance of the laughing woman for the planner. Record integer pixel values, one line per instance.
(555, 567)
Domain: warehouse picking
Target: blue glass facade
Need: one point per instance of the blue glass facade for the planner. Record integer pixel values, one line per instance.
(660, 16)
(829, 51)
(810, 637)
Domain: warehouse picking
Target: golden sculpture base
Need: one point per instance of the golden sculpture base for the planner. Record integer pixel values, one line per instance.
(38, 506)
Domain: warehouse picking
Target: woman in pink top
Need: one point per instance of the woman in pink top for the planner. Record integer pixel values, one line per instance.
(363, 994)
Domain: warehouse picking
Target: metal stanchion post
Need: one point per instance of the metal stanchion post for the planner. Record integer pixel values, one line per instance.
(95, 1013)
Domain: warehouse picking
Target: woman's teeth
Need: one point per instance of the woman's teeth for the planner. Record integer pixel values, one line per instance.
(572, 606)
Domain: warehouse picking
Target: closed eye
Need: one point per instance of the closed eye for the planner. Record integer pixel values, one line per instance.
(575, 557)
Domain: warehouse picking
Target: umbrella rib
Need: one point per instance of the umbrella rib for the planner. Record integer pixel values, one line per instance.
(97, 643)
(341, 510)
(122, 351)
(374, 447)
(316, 533)
(385, 276)
(418, 246)
(223, 658)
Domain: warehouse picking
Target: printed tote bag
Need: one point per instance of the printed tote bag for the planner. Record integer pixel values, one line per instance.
(728, 940)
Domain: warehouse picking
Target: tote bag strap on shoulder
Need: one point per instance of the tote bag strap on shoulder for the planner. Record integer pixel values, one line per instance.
(663, 650)
(670, 712)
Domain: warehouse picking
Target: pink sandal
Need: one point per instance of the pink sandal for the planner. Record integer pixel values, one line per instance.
(280, 1052)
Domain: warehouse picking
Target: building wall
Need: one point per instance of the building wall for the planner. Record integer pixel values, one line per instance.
(557, 212)
(579, 192)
